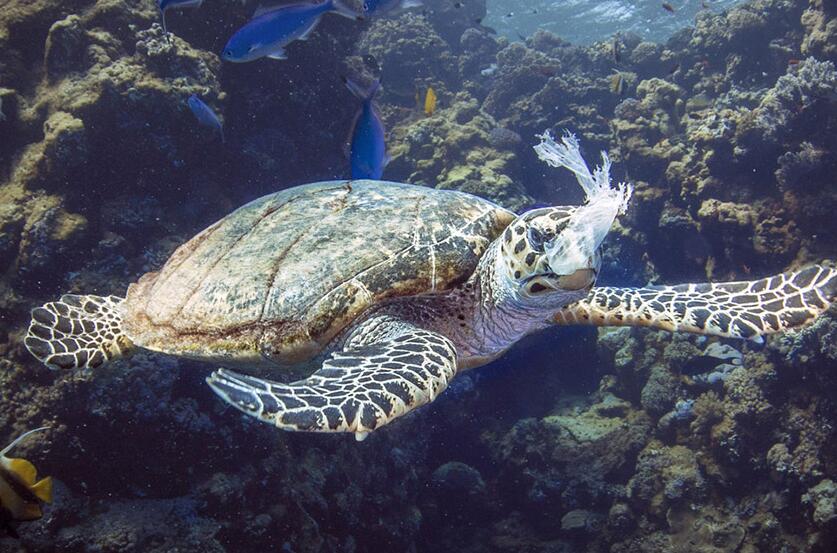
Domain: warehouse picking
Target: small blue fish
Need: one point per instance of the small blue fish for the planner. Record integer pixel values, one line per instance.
(380, 7)
(175, 5)
(271, 30)
(367, 150)
(205, 115)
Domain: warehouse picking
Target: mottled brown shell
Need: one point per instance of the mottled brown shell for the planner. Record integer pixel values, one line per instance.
(282, 275)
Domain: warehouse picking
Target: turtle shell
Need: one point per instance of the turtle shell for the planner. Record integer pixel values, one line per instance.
(280, 277)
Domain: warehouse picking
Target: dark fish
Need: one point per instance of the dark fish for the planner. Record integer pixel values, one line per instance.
(668, 7)
(271, 30)
(617, 55)
(371, 62)
(504, 139)
(367, 146)
(175, 5)
(674, 69)
(21, 493)
(205, 116)
(374, 8)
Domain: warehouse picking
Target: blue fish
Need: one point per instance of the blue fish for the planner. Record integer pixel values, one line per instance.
(380, 7)
(175, 5)
(367, 150)
(205, 115)
(272, 29)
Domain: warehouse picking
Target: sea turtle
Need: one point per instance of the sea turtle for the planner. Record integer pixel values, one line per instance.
(391, 290)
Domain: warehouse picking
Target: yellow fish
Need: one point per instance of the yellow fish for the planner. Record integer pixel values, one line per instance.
(430, 101)
(617, 83)
(21, 493)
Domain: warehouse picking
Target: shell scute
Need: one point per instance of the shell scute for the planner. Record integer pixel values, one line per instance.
(279, 277)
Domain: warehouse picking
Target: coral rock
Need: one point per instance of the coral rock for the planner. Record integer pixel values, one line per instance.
(666, 476)
(823, 499)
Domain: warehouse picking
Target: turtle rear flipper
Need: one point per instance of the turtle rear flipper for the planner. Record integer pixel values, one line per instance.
(746, 309)
(357, 390)
(77, 332)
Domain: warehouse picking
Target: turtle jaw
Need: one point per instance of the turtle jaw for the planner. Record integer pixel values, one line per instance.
(561, 289)
(582, 279)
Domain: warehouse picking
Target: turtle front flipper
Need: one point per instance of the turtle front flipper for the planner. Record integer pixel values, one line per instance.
(357, 390)
(732, 309)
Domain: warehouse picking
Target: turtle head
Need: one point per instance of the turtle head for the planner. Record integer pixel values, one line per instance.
(550, 257)
(534, 251)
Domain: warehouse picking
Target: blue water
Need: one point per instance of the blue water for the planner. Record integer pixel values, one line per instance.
(587, 21)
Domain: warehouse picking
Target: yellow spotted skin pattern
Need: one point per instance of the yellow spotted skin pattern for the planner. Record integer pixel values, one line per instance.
(522, 245)
(730, 309)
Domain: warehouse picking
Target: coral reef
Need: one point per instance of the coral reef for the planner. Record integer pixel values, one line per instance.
(619, 440)
(460, 148)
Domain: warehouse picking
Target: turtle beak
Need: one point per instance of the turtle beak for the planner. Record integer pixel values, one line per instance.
(579, 280)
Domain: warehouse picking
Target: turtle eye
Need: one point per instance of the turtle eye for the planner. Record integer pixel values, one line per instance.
(536, 239)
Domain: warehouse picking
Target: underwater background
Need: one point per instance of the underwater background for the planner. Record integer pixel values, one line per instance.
(620, 440)
(583, 22)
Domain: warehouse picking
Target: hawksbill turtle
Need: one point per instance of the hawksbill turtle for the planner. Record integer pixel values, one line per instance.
(390, 290)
